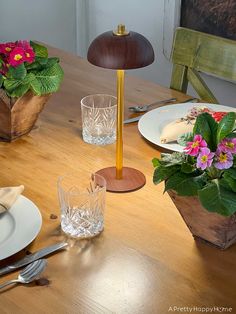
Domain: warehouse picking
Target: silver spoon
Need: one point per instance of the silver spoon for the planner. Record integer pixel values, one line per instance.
(29, 273)
(146, 107)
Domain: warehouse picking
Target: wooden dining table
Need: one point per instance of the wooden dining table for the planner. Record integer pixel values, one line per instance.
(145, 260)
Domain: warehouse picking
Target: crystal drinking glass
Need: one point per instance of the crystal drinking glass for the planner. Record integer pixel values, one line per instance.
(82, 203)
(99, 119)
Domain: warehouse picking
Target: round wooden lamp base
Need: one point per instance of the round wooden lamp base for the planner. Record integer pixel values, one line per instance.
(132, 179)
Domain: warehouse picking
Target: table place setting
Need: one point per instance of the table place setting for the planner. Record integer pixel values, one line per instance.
(145, 108)
(121, 236)
(28, 259)
(15, 209)
(29, 274)
(164, 126)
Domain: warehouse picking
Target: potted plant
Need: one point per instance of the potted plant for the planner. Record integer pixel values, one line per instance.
(27, 78)
(201, 181)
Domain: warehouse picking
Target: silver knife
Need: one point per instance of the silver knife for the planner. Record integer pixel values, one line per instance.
(135, 119)
(32, 257)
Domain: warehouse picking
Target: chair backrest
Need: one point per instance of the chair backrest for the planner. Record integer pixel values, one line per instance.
(195, 52)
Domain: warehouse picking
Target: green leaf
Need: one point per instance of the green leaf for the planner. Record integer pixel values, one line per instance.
(49, 79)
(175, 158)
(35, 85)
(162, 173)
(155, 162)
(184, 184)
(230, 181)
(216, 198)
(231, 172)
(18, 72)
(206, 126)
(38, 65)
(225, 184)
(231, 135)
(52, 61)
(226, 126)
(1, 79)
(40, 51)
(11, 84)
(17, 88)
(185, 138)
(187, 167)
(42, 61)
(229, 178)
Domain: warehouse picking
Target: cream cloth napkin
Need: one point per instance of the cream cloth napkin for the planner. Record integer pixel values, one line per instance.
(174, 129)
(8, 196)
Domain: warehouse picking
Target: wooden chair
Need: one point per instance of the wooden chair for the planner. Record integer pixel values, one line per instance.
(195, 52)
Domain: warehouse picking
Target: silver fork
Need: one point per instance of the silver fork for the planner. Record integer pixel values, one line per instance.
(29, 273)
(146, 107)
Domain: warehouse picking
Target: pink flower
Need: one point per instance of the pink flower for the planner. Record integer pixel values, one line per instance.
(29, 55)
(204, 158)
(17, 56)
(7, 48)
(228, 145)
(193, 148)
(224, 160)
(24, 44)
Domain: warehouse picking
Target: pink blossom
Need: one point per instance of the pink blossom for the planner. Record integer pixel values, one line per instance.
(17, 56)
(194, 147)
(224, 160)
(228, 145)
(24, 44)
(7, 48)
(29, 55)
(204, 158)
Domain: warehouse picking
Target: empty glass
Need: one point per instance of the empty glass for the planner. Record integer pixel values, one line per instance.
(99, 119)
(82, 202)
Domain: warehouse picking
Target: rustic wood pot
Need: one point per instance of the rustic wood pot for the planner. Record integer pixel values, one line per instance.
(18, 115)
(206, 226)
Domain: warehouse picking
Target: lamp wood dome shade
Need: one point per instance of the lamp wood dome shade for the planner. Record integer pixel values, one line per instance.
(130, 51)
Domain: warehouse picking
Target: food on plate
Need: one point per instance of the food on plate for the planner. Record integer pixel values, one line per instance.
(174, 129)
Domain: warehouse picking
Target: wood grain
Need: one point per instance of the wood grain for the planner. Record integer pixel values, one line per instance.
(132, 179)
(130, 51)
(18, 118)
(195, 52)
(211, 227)
(146, 259)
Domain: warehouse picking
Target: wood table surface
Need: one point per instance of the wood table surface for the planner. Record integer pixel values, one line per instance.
(145, 260)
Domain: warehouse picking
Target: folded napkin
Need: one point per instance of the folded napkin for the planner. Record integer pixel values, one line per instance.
(8, 196)
(173, 130)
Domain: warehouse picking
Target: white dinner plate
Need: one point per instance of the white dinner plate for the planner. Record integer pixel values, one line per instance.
(19, 226)
(151, 123)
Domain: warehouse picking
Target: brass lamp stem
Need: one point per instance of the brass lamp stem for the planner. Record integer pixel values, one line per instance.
(119, 125)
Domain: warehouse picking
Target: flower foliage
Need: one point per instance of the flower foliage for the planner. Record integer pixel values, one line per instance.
(207, 167)
(24, 66)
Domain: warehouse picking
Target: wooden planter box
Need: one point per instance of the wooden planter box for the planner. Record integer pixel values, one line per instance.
(212, 228)
(18, 116)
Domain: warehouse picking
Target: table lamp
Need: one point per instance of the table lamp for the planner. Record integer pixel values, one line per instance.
(121, 50)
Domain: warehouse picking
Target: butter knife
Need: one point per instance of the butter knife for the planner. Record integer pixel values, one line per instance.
(135, 119)
(32, 257)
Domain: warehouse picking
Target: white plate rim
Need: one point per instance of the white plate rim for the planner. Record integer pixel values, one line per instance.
(152, 134)
(27, 225)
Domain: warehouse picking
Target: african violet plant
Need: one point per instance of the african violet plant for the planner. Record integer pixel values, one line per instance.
(207, 167)
(25, 66)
